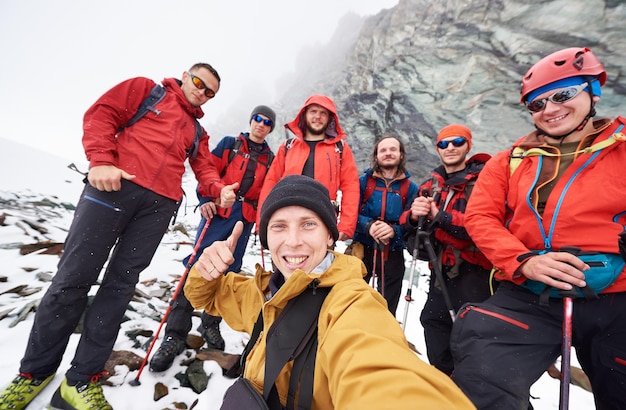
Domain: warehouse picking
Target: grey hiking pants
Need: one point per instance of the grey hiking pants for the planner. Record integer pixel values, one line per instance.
(124, 227)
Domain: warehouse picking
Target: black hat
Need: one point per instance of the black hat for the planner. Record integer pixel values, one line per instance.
(267, 111)
(301, 191)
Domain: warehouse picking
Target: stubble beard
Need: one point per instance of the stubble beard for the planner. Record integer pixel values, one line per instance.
(314, 131)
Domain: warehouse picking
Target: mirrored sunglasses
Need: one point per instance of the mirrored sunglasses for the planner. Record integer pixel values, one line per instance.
(266, 122)
(200, 85)
(457, 142)
(559, 97)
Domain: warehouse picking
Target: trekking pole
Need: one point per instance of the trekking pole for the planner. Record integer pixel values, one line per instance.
(181, 283)
(566, 352)
(408, 298)
(382, 271)
(432, 256)
(374, 275)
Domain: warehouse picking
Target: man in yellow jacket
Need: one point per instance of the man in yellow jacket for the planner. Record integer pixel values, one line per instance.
(362, 359)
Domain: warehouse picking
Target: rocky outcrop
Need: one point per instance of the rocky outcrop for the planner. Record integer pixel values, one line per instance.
(421, 65)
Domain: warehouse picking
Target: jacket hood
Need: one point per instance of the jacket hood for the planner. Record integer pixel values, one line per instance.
(173, 85)
(333, 131)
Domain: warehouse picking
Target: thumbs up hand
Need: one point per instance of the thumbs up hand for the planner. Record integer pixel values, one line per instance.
(216, 259)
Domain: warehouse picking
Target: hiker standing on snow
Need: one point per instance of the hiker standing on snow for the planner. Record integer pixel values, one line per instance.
(385, 188)
(360, 357)
(464, 268)
(244, 159)
(316, 147)
(134, 190)
(533, 208)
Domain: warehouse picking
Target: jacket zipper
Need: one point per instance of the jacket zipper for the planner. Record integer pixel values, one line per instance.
(114, 208)
(495, 315)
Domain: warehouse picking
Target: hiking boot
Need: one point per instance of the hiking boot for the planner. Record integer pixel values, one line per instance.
(212, 335)
(21, 391)
(85, 395)
(164, 357)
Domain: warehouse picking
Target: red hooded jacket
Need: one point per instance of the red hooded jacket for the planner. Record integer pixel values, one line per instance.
(155, 148)
(337, 171)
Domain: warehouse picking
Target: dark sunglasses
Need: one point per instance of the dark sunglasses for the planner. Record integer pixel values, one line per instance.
(457, 142)
(258, 118)
(200, 85)
(559, 97)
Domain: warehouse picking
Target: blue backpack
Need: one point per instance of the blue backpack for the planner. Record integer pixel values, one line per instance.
(149, 104)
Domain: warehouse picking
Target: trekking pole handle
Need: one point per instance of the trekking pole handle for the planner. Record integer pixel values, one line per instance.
(422, 219)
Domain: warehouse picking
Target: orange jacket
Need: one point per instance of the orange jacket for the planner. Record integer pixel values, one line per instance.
(337, 171)
(155, 148)
(589, 213)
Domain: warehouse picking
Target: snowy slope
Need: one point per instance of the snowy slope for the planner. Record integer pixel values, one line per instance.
(25, 179)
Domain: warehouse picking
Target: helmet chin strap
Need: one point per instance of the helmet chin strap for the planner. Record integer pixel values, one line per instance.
(592, 113)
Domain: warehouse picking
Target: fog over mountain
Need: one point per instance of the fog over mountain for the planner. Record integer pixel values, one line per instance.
(421, 65)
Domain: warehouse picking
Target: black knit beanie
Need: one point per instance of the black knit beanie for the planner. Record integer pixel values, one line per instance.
(267, 111)
(301, 191)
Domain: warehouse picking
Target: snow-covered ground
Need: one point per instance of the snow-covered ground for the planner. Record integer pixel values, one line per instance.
(26, 176)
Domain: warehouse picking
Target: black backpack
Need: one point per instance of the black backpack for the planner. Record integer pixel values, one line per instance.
(292, 337)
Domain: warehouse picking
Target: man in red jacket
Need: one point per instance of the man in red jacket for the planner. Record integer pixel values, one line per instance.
(547, 213)
(316, 147)
(133, 190)
(464, 269)
(244, 159)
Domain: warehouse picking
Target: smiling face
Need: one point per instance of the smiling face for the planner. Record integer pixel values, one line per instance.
(453, 158)
(297, 239)
(197, 96)
(559, 119)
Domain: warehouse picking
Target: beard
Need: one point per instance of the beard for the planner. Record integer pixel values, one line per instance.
(314, 131)
(457, 163)
(389, 165)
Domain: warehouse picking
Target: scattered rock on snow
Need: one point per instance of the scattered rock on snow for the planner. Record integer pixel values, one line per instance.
(225, 360)
(160, 391)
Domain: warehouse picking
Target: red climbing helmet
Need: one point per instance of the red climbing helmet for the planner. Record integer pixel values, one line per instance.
(569, 62)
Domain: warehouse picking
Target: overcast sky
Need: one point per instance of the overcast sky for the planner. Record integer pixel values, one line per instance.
(59, 56)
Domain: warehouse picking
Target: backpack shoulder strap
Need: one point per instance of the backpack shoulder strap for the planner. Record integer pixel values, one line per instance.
(339, 145)
(270, 158)
(370, 186)
(288, 144)
(148, 104)
(517, 153)
(234, 150)
(290, 334)
(192, 151)
(404, 190)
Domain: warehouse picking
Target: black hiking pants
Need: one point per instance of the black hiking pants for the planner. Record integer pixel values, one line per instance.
(471, 285)
(502, 346)
(389, 271)
(123, 227)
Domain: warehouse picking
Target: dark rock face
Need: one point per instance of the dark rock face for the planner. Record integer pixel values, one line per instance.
(421, 65)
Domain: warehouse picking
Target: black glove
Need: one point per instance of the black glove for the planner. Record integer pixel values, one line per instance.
(622, 244)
